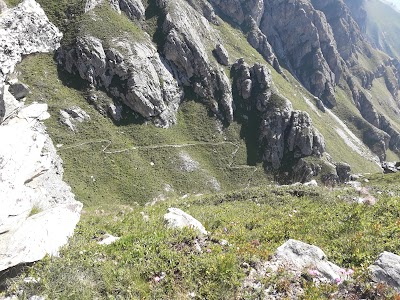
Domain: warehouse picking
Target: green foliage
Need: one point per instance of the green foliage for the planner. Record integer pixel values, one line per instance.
(149, 169)
(254, 222)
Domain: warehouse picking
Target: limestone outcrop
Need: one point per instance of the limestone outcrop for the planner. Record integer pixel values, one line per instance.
(38, 210)
(134, 9)
(186, 36)
(24, 29)
(133, 72)
(303, 39)
(282, 131)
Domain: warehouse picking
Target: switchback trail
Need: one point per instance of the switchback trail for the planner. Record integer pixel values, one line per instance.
(230, 165)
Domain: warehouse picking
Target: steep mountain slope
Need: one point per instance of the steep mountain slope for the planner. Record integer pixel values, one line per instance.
(158, 153)
(383, 27)
(155, 103)
(109, 55)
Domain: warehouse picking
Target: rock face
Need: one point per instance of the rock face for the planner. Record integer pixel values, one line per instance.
(24, 29)
(387, 269)
(139, 77)
(185, 30)
(177, 218)
(303, 39)
(134, 9)
(282, 131)
(38, 211)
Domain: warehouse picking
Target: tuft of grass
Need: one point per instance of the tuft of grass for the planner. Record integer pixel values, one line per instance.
(34, 211)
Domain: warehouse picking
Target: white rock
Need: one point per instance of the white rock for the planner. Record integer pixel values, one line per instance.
(387, 269)
(311, 183)
(299, 255)
(25, 29)
(108, 239)
(31, 181)
(177, 218)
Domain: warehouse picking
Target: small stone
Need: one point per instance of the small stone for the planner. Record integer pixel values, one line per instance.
(107, 239)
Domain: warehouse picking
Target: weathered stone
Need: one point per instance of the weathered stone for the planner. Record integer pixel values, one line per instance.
(300, 256)
(298, 261)
(115, 111)
(187, 35)
(148, 86)
(107, 239)
(303, 39)
(73, 115)
(18, 90)
(24, 29)
(222, 55)
(386, 269)
(343, 172)
(134, 9)
(38, 212)
(389, 167)
(177, 218)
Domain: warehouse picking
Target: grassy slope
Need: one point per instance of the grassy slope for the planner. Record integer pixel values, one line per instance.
(254, 222)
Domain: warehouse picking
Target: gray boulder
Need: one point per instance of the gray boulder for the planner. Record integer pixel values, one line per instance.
(73, 115)
(18, 90)
(299, 256)
(222, 55)
(386, 269)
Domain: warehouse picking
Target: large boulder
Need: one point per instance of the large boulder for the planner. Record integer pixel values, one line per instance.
(296, 261)
(300, 256)
(177, 218)
(387, 269)
(38, 211)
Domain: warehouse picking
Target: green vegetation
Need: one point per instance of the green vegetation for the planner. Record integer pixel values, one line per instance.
(254, 222)
(34, 211)
(143, 173)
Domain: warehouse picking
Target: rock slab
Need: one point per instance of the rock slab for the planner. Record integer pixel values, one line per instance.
(387, 269)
